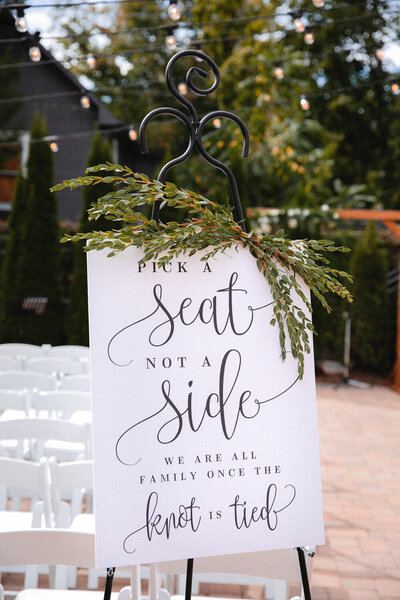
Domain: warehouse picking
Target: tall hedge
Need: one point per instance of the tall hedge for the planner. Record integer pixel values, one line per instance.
(33, 249)
(77, 326)
(371, 349)
(10, 294)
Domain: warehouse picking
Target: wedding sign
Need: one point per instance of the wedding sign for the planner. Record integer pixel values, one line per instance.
(205, 440)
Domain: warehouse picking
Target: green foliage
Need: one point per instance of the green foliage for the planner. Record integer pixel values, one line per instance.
(36, 259)
(10, 292)
(370, 322)
(77, 325)
(211, 227)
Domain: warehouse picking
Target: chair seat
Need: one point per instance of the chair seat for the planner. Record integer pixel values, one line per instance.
(64, 451)
(83, 522)
(11, 520)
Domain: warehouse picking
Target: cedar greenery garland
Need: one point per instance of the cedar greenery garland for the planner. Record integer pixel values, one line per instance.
(212, 228)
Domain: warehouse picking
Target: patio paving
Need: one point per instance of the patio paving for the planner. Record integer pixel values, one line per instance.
(360, 462)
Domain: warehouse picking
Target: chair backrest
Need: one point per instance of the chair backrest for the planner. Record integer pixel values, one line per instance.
(19, 380)
(10, 363)
(62, 403)
(75, 383)
(42, 430)
(14, 400)
(21, 350)
(54, 364)
(29, 478)
(46, 547)
(69, 479)
(76, 352)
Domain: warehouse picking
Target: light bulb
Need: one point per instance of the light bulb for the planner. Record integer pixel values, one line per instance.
(170, 41)
(309, 37)
(304, 103)
(182, 88)
(173, 11)
(85, 102)
(132, 133)
(380, 53)
(21, 25)
(34, 54)
(395, 87)
(91, 61)
(54, 147)
(299, 25)
(278, 71)
(318, 3)
(217, 123)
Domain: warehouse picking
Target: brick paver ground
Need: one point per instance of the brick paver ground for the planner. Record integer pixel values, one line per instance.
(359, 433)
(360, 461)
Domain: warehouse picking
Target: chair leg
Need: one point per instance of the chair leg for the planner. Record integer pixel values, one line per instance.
(31, 577)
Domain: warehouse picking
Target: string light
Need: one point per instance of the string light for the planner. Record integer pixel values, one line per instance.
(304, 103)
(379, 53)
(217, 123)
(20, 21)
(54, 147)
(182, 88)
(308, 36)
(298, 23)
(132, 133)
(85, 101)
(319, 3)
(170, 40)
(395, 87)
(173, 10)
(91, 61)
(35, 54)
(278, 71)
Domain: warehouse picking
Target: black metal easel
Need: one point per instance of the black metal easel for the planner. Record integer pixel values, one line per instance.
(195, 129)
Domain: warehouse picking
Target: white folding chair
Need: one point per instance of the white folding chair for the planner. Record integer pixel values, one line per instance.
(62, 403)
(10, 363)
(38, 437)
(77, 352)
(25, 483)
(272, 569)
(21, 350)
(76, 383)
(55, 364)
(21, 380)
(14, 401)
(22, 479)
(58, 547)
(70, 481)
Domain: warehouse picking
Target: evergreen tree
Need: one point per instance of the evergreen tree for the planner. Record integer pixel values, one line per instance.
(10, 292)
(77, 325)
(370, 321)
(37, 266)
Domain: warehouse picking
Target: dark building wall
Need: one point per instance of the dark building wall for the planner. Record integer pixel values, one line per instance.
(65, 117)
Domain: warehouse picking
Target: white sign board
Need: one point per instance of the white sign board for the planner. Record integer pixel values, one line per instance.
(205, 440)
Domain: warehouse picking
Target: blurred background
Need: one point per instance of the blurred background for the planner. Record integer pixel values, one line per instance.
(317, 84)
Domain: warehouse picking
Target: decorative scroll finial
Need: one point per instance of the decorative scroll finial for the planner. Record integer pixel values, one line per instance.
(196, 126)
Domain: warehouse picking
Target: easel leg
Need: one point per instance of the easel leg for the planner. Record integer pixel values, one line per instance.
(189, 578)
(304, 574)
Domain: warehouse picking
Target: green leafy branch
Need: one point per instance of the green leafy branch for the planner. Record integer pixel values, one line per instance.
(211, 227)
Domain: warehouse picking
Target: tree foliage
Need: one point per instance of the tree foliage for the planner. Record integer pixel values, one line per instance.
(370, 320)
(36, 261)
(77, 325)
